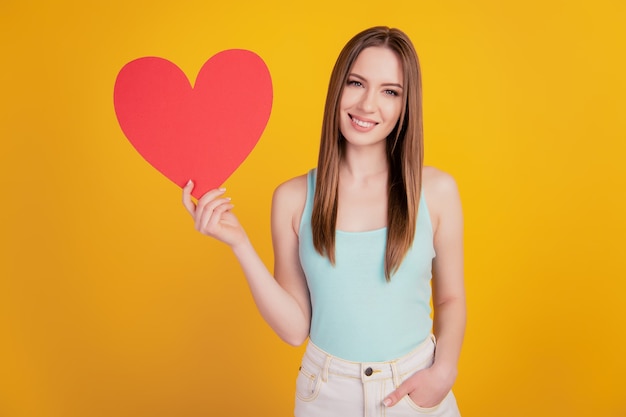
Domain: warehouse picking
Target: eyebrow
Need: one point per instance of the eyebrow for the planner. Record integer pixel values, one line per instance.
(383, 85)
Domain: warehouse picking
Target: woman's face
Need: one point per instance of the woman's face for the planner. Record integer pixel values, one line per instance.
(371, 100)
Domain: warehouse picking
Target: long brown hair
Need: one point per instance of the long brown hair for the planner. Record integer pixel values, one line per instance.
(405, 152)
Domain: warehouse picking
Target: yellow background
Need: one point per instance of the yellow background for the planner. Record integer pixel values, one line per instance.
(112, 305)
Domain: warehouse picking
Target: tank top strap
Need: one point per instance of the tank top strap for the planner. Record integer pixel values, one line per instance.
(310, 192)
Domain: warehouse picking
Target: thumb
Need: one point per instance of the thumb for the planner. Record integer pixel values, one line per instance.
(393, 398)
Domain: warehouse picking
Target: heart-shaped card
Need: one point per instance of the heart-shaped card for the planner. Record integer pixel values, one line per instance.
(204, 132)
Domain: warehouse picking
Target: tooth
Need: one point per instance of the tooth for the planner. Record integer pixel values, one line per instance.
(362, 123)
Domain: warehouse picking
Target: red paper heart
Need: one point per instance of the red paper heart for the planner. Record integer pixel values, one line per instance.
(203, 132)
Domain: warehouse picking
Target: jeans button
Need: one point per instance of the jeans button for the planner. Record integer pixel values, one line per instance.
(369, 372)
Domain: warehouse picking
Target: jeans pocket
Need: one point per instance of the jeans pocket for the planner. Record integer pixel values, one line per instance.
(436, 410)
(422, 409)
(308, 381)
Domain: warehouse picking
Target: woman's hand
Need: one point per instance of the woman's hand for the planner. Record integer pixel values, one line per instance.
(212, 216)
(426, 388)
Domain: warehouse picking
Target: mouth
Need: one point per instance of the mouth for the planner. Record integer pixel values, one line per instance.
(365, 124)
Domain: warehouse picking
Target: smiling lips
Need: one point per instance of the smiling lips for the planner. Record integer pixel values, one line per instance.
(362, 125)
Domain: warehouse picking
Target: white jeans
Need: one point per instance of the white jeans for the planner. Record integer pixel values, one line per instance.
(331, 387)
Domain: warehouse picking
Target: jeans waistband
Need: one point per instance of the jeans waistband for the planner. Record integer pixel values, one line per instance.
(419, 358)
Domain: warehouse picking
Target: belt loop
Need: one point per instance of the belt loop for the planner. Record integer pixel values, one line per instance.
(325, 370)
(395, 374)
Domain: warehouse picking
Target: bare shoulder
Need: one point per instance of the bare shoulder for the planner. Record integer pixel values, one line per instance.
(438, 184)
(289, 200)
(442, 195)
(290, 190)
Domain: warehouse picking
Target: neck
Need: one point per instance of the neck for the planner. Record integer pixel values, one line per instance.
(363, 163)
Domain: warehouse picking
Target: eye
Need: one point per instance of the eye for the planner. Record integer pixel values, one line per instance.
(391, 92)
(355, 83)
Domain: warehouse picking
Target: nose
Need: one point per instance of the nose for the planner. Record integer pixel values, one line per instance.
(367, 102)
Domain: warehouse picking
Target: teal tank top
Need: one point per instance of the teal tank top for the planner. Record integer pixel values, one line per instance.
(356, 314)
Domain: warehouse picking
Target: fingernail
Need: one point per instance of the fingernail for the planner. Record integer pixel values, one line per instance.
(189, 182)
(387, 402)
(222, 189)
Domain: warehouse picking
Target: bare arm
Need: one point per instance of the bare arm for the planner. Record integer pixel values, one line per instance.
(283, 302)
(448, 278)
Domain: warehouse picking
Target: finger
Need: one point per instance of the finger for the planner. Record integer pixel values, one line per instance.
(210, 196)
(204, 201)
(216, 217)
(206, 212)
(187, 202)
(393, 398)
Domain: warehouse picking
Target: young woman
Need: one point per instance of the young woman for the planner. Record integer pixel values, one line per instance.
(358, 243)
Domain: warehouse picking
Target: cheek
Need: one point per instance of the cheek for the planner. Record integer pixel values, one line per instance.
(393, 112)
(348, 98)
(398, 112)
(343, 123)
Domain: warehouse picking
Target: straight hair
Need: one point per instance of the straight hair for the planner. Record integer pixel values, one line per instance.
(404, 146)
